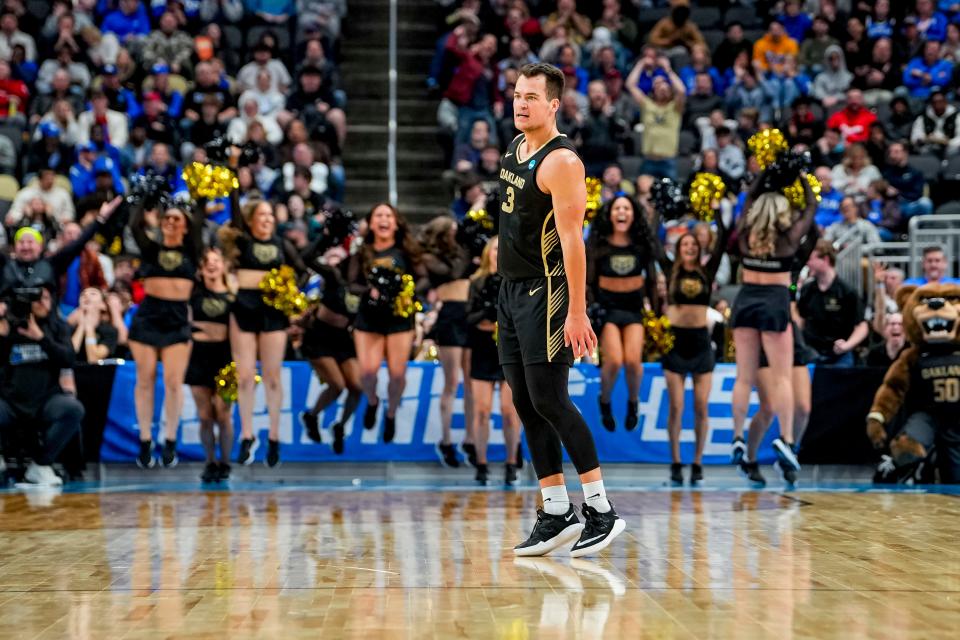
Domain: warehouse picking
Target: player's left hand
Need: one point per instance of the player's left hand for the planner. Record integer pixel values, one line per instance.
(578, 333)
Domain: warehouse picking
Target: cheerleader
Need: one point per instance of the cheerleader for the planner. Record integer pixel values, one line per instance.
(160, 330)
(328, 344)
(620, 273)
(768, 237)
(447, 267)
(378, 332)
(252, 247)
(688, 299)
(485, 370)
(210, 305)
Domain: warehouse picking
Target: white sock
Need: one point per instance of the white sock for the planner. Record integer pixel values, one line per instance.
(555, 500)
(596, 496)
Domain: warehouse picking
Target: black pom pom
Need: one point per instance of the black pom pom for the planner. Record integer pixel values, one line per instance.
(668, 199)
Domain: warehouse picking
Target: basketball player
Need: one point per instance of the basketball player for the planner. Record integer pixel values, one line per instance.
(542, 313)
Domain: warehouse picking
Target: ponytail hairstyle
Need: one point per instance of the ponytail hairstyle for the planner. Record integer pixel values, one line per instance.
(769, 215)
(229, 233)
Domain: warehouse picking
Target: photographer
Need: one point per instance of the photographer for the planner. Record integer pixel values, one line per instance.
(34, 348)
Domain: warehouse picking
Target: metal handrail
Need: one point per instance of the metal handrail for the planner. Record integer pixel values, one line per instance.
(392, 117)
(848, 258)
(922, 236)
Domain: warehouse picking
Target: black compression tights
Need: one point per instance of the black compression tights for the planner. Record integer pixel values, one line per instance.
(549, 418)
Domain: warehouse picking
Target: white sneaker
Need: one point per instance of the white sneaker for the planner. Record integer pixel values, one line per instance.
(42, 476)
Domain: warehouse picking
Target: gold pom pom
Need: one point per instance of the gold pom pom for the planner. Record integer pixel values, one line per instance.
(280, 291)
(658, 338)
(766, 145)
(226, 382)
(481, 217)
(796, 195)
(496, 333)
(209, 181)
(705, 190)
(406, 304)
(594, 190)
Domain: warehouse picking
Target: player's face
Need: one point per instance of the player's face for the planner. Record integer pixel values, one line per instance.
(531, 107)
(621, 215)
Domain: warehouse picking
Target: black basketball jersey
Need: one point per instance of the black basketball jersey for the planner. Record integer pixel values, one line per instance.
(935, 381)
(529, 244)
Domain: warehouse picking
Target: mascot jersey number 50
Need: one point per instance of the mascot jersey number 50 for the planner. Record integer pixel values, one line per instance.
(924, 382)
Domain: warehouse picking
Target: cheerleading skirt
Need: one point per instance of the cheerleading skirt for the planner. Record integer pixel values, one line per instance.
(253, 315)
(761, 307)
(802, 354)
(161, 323)
(322, 340)
(622, 308)
(484, 359)
(206, 361)
(450, 329)
(383, 322)
(692, 352)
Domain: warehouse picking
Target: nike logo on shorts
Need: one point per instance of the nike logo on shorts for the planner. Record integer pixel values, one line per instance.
(533, 291)
(507, 155)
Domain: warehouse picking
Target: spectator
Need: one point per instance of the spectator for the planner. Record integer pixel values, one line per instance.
(56, 198)
(883, 211)
(851, 227)
(270, 102)
(661, 118)
(161, 164)
(828, 211)
(700, 63)
(466, 156)
(676, 31)
(77, 73)
(49, 152)
(795, 22)
(731, 47)
(471, 196)
(855, 173)
(623, 28)
(876, 145)
(650, 69)
(900, 122)
(612, 183)
(931, 24)
(10, 36)
(906, 183)
(13, 95)
(879, 23)
(303, 157)
(803, 126)
(129, 21)
(813, 50)
(159, 82)
(271, 12)
(577, 25)
(856, 46)
(730, 157)
(770, 51)
(830, 312)
(854, 119)
(119, 98)
(570, 118)
(169, 45)
(702, 100)
(249, 113)
(894, 340)
(829, 148)
(935, 131)
(88, 169)
(784, 88)
(924, 75)
(208, 83)
(910, 44)
(569, 62)
(745, 93)
(601, 131)
(934, 268)
(61, 114)
(520, 55)
(263, 61)
(880, 76)
(472, 90)
(314, 102)
(832, 83)
(887, 282)
(157, 125)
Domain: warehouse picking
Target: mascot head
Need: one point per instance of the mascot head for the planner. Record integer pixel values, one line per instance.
(931, 313)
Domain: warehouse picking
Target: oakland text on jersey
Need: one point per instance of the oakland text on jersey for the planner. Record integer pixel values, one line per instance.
(512, 178)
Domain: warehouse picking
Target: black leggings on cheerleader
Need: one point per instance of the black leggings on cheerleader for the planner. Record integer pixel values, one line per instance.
(550, 418)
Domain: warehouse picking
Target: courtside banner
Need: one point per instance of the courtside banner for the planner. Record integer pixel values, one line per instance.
(418, 420)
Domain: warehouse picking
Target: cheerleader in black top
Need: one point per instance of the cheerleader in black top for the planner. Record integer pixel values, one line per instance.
(485, 370)
(688, 298)
(160, 331)
(620, 273)
(448, 266)
(210, 305)
(253, 247)
(328, 343)
(378, 333)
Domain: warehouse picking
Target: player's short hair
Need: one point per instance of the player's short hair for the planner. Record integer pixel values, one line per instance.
(552, 75)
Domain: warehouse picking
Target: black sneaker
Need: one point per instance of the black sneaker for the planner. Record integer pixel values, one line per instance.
(273, 453)
(676, 474)
(312, 426)
(169, 456)
(786, 455)
(549, 533)
(599, 532)
(469, 453)
(519, 455)
(448, 455)
(696, 475)
(788, 475)
(145, 459)
(510, 477)
(211, 472)
(248, 447)
(633, 416)
(482, 474)
(224, 469)
(338, 438)
(738, 449)
(751, 471)
(370, 416)
(606, 416)
(389, 428)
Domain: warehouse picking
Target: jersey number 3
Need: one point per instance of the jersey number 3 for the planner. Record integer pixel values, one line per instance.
(508, 205)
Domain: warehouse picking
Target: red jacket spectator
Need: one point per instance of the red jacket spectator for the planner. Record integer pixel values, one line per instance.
(473, 63)
(853, 120)
(13, 93)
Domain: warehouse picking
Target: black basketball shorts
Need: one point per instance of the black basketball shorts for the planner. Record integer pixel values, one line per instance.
(530, 318)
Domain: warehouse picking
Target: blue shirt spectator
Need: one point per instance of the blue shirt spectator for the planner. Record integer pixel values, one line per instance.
(274, 8)
(931, 24)
(877, 28)
(924, 73)
(130, 19)
(794, 21)
(828, 211)
(83, 175)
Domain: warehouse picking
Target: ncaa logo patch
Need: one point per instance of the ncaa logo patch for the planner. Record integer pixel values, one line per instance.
(532, 164)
